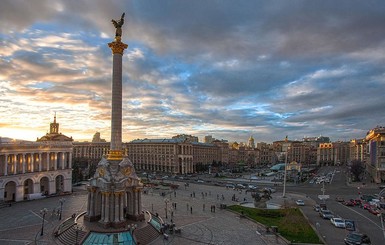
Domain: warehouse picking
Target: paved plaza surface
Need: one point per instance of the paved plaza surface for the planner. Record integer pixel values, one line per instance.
(194, 215)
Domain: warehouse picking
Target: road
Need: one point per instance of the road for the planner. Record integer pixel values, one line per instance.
(365, 222)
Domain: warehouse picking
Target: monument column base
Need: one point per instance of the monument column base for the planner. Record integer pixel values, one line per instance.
(137, 217)
(92, 218)
(119, 224)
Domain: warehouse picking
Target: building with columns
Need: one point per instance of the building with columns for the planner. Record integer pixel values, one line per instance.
(174, 156)
(29, 168)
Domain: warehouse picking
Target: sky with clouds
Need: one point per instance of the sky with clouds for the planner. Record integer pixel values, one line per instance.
(230, 69)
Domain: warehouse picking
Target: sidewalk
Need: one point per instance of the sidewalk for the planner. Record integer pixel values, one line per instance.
(201, 224)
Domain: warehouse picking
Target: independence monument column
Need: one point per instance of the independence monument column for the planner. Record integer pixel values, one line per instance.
(117, 48)
(114, 193)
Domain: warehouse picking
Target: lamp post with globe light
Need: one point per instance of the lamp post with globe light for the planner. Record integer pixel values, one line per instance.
(131, 229)
(284, 176)
(166, 202)
(61, 201)
(44, 211)
(78, 228)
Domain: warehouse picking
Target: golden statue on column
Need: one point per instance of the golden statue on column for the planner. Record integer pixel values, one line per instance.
(114, 193)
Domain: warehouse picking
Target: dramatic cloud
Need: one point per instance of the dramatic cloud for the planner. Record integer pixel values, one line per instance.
(222, 68)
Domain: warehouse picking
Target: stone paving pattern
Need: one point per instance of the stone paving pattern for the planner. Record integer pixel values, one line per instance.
(21, 223)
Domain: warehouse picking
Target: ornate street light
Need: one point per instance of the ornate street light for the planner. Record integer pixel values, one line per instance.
(78, 228)
(285, 173)
(61, 201)
(44, 211)
(131, 229)
(166, 202)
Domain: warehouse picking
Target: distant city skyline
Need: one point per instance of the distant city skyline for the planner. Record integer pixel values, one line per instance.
(230, 70)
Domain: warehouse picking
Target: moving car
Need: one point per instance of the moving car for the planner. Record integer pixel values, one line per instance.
(316, 208)
(300, 202)
(355, 238)
(338, 222)
(340, 199)
(326, 214)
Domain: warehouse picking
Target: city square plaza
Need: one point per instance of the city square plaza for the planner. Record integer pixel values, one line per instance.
(190, 208)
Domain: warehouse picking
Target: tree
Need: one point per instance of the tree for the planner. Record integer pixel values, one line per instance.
(356, 169)
(78, 165)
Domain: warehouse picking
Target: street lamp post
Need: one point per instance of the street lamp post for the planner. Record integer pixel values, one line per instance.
(131, 229)
(44, 211)
(78, 228)
(284, 177)
(61, 201)
(166, 202)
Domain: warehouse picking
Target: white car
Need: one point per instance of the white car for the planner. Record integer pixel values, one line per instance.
(338, 222)
(300, 202)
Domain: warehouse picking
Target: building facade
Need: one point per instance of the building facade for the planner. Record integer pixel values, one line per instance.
(28, 168)
(333, 154)
(174, 156)
(375, 154)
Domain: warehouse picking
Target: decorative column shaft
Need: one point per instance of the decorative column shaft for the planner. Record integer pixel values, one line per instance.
(116, 152)
(40, 162)
(6, 165)
(116, 206)
(32, 162)
(23, 162)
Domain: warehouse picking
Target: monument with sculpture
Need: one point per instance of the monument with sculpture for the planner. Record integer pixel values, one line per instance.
(114, 192)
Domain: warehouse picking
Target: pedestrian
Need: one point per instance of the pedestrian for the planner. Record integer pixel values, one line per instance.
(191, 209)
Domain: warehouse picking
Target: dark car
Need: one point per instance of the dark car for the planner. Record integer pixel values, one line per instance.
(355, 238)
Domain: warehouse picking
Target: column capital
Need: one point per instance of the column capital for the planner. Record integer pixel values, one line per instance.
(117, 47)
(115, 155)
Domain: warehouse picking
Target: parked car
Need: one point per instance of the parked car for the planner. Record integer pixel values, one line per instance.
(374, 210)
(349, 203)
(326, 214)
(300, 202)
(355, 238)
(338, 222)
(230, 186)
(365, 205)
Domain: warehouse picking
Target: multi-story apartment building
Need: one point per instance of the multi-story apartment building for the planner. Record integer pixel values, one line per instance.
(173, 156)
(358, 150)
(223, 148)
(266, 154)
(178, 155)
(375, 157)
(90, 150)
(334, 154)
(28, 168)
